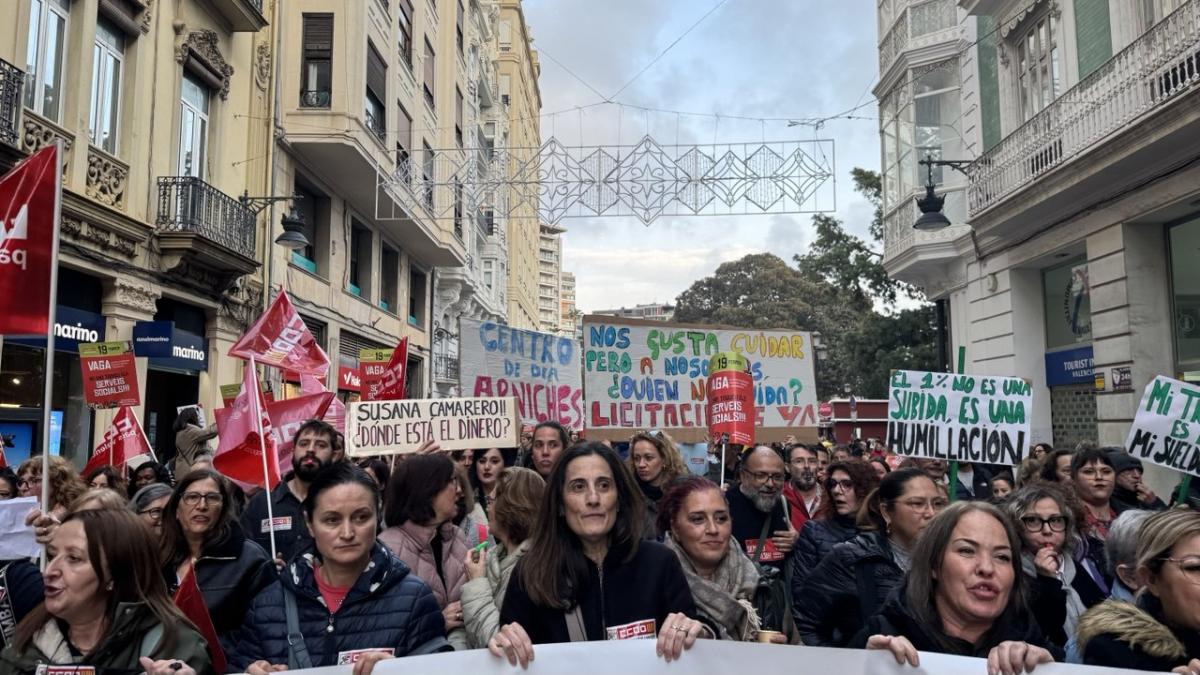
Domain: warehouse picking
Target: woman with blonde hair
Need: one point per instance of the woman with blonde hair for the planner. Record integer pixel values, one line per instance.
(654, 460)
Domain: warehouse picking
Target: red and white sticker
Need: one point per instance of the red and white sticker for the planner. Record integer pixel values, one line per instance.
(769, 552)
(637, 630)
(44, 669)
(282, 524)
(349, 658)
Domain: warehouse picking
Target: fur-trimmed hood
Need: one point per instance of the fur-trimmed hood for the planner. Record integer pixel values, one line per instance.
(1130, 624)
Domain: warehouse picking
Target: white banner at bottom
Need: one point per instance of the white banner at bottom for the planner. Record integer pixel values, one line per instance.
(637, 657)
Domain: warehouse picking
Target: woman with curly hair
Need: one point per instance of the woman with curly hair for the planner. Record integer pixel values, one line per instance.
(65, 484)
(654, 460)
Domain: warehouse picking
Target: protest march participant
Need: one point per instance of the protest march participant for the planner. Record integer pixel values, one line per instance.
(106, 477)
(1056, 467)
(695, 518)
(963, 596)
(421, 503)
(200, 534)
(823, 460)
(1039, 451)
(757, 507)
(1001, 486)
(97, 498)
(8, 483)
(836, 521)
(378, 469)
(654, 461)
(1162, 630)
(803, 492)
(20, 591)
(1093, 479)
(851, 583)
(146, 473)
(65, 484)
(1120, 554)
(1130, 492)
(880, 466)
(105, 605)
(191, 440)
(974, 482)
(485, 474)
(345, 590)
(548, 442)
(588, 575)
(313, 450)
(149, 504)
(469, 515)
(513, 514)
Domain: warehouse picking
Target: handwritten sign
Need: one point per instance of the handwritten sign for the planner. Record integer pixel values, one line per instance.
(399, 427)
(109, 374)
(1166, 429)
(650, 374)
(539, 369)
(965, 418)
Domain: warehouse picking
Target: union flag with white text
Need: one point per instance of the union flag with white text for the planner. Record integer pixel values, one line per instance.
(281, 340)
(27, 195)
(123, 440)
(239, 448)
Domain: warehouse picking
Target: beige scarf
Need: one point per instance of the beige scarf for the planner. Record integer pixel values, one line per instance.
(728, 597)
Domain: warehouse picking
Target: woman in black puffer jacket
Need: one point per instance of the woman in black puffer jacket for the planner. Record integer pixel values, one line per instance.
(852, 583)
(846, 488)
(350, 592)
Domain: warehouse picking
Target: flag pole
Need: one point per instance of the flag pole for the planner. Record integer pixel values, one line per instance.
(262, 449)
(48, 374)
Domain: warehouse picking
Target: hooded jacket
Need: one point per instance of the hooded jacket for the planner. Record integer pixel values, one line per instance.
(816, 542)
(483, 596)
(1122, 635)
(388, 607)
(229, 573)
(846, 589)
(135, 632)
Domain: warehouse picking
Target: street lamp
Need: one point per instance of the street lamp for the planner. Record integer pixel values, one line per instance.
(292, 237)
(932, 218)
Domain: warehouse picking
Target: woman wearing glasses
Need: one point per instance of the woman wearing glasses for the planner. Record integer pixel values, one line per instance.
(148, 503)
(847, 487)
(852, 583)
(1059, 591)
(654, 461)
(201, 534)
(1162, 630)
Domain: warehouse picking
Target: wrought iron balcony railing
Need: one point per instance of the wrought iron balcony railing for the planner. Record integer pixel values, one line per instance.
(315, 98)
(1150, 73)
(11, 81)
(188, 204)
(445, 367)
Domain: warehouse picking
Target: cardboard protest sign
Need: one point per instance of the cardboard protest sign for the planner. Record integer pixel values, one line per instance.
(109, 374)
(540, 370)
(382, 372)
(650, 374)
(230, 392)
(403, 426)
(1166, 429)
(964, 418)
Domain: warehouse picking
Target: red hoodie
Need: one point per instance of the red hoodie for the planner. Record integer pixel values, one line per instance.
(797, 511)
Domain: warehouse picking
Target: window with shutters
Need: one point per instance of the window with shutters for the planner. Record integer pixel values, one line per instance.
(416, 298)
(359, 281)
(403, 141)
(374, 111)
(316, 69)
(389, 273)
(317, 328)
(430, 70)
(458, 27)
(351, 344)
(406, 33)
(414, 378)
(313, 207)
(458, 117)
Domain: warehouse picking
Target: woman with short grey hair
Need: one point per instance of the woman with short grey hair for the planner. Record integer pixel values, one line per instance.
(148, 503)
(1120, 553)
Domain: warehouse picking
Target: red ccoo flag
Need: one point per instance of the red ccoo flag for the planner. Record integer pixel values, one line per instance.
(335, 415)
(287, 416)
(281, 340)
(190, 601)
(390, 387)
(27, 195)
(124, 439)
(240, 449)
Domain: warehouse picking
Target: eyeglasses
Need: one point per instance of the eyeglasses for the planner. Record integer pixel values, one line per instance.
(935, 505)
(845, 485)
(194, 498)
(27, 482)
(765, 477)
(1035, 523)
(1190, 566)
(155, 514)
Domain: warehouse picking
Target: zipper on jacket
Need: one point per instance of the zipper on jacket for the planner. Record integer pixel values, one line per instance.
(603, 614)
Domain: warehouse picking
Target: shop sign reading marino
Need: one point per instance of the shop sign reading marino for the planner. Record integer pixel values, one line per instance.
(72, 327)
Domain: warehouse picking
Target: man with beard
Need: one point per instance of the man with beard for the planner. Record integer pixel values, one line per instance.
(1130, 492)
(757, 500)
(314, 447)
(803, 493)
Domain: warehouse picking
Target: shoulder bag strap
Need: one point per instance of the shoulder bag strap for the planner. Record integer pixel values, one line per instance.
(575, 628)
(297, 648)
(762, 541)
(8, 620)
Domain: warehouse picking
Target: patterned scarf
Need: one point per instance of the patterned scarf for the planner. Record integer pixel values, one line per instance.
(728, 597)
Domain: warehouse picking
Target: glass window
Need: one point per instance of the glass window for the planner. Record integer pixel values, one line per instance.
(45, 57)
(1184, 240)
(936, 103)
(193, 127)
(406, 32)
(317, 65)
(1039, 76)
(108, 58)
(930, 17)
(1068, 304)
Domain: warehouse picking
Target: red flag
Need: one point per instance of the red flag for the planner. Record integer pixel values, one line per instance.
(287, 416)
(123, 440)
(281, 340)
(190, 601)
(390, 387)
(27, 195)
(239, 450)
(336, 413)
(3, 458)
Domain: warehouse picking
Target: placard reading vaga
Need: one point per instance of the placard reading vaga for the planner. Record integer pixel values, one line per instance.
(397, 427)
(965, 418)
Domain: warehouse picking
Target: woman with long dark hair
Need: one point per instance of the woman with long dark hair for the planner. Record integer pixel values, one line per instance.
(846, 488)
(587, 574)
(485, 473)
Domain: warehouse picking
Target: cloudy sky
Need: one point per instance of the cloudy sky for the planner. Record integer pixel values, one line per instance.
(754, 58)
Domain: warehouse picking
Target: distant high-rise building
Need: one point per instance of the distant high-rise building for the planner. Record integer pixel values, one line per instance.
(549, 278)
(655, 311)
(568, 321)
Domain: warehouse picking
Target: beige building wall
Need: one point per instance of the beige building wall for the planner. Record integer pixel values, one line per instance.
(549, 277)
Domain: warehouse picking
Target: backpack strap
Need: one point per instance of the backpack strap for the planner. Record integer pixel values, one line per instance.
(575, 628)
(762, 541)
(298, 657)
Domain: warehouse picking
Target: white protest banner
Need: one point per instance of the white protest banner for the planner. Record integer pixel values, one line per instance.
(402, 426)
(654, 375)
(539, 369)
(16, 538)
(1166, 429)
(637, 657)
(964, 418)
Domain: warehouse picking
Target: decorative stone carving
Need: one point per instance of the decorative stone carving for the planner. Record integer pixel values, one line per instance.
(106, 179)
(202, 45)
(147, 15)
(38, 132)
(262, 66)
(98, 237)
(136, 296)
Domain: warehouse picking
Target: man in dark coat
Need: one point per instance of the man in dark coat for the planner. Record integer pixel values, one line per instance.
(755, 500)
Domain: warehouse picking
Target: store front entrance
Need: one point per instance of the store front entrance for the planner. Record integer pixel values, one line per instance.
(167, 391)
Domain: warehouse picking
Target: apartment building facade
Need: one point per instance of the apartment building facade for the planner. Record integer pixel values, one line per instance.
(549, 277)
(569, 324)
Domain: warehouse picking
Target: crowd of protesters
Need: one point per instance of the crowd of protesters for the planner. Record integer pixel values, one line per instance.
(1067, 557)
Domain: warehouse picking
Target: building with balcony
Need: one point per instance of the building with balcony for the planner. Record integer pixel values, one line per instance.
(1082, 208)
(549, 277)
(163, 110)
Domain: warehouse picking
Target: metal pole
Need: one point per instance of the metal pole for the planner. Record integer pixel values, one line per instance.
(52, 315)
(262, 448)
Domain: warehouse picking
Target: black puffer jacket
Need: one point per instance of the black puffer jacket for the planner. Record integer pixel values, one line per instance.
(20, 591)
(846, 589)
(229, 573)
(816, 542)
(388, 607)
